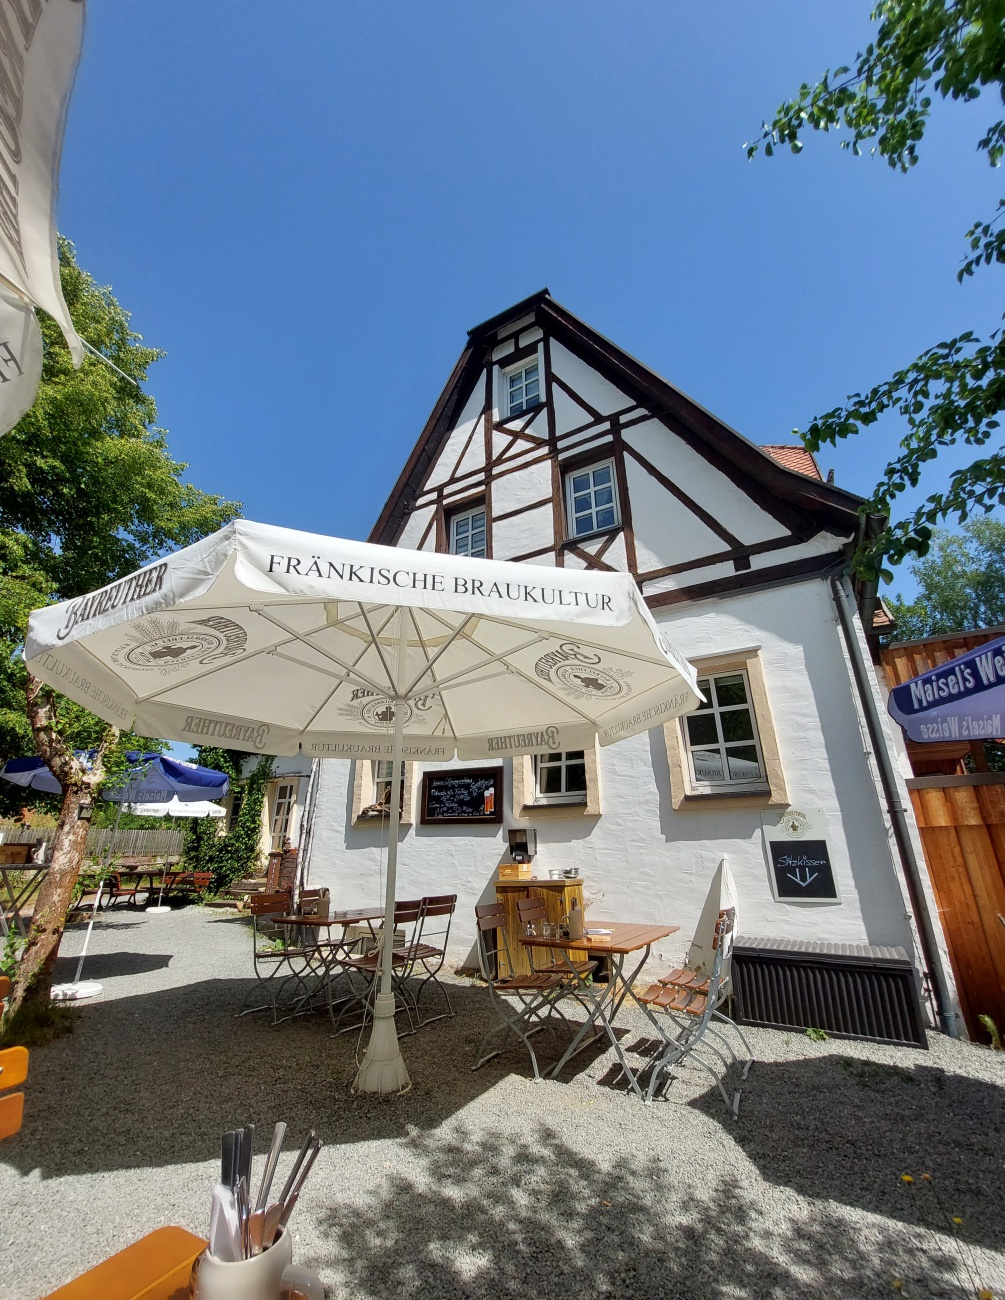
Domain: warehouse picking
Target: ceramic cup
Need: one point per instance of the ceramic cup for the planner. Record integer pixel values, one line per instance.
(257, 1278)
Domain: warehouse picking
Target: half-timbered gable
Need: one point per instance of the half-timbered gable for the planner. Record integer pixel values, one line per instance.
(538, 401)
(552, 446)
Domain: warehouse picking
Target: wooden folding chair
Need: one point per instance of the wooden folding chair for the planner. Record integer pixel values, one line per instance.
(523, 1004)
(275, 967)
(430, 950)
(363, 974)
(689, 1000)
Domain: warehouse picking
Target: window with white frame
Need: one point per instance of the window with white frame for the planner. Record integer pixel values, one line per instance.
(282, 811)
(467, 533)
(591, 495)
(523, 389)
(721, 736)
(560, 778)
(383, 775)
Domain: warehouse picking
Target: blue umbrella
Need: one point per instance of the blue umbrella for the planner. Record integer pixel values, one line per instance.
(963, 699)
(153, 778)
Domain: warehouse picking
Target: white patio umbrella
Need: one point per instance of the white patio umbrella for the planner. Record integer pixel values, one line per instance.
(175, 808)
(273, 640)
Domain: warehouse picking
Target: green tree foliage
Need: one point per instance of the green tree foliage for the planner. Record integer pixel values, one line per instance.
(952, 395)
(233, 855)
(88, 493)
(961, 583)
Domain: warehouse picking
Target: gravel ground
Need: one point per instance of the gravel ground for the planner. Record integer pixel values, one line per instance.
(487, 1184)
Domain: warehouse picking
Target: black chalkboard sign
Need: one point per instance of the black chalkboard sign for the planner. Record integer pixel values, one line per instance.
(802, 870)
(472, 794)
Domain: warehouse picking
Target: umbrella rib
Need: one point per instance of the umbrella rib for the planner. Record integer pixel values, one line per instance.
(271, 648)
(362, 678)
(429, 669)
(460, 630)
(491, 659)
(541, 685)
(573, 635)
(375, 642)
(324, 704)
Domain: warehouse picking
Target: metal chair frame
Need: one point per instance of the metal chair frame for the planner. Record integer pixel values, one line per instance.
(269, 962)
(690, 1001)
(537, 994)
(367, 971)
(428, 958)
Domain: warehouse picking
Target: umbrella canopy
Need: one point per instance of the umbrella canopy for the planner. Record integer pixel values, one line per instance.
(962, 699)
(273, 640)
(198, 808)
(152, 778)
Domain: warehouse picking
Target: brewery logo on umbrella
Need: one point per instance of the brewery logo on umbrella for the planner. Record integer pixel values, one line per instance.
(167, 644)
(578, 670)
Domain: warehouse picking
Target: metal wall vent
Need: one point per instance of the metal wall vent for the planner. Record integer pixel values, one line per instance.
(848, 990)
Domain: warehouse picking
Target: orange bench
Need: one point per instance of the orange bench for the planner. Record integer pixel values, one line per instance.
(156, 1267)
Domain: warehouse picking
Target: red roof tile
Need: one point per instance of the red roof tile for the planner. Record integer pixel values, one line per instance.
(794, 457)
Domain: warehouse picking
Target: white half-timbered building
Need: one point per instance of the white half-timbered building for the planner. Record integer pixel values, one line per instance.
(549, 445)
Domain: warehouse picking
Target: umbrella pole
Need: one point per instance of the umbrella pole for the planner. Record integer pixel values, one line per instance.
(383, 1070)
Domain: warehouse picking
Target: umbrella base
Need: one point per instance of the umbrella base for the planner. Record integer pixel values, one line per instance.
(383, 1071)
(157, 910)
(75, 992)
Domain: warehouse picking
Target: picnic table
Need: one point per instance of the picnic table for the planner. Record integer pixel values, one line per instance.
(615, 940)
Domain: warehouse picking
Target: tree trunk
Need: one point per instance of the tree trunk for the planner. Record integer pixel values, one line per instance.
(34, 973)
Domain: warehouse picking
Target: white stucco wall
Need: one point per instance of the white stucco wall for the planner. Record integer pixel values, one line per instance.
(647, 861)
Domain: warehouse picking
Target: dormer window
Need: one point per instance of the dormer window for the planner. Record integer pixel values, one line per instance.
(523, 389)
(468, 533)
(592, 499)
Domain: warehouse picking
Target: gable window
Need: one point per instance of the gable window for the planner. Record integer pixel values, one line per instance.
(592, 499)
(282, 812)
(560, 778)
(467, 533)
(523, 389)
(721, 736)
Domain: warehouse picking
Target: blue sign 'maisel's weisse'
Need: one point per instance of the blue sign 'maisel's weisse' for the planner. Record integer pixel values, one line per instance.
(963, 699)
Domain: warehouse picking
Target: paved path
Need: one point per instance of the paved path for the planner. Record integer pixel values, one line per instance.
(486, 1184)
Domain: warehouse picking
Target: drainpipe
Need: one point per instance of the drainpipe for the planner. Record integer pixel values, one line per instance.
(898, 815)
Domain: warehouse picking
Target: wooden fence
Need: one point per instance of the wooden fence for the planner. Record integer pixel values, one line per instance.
(962, 823)
(154, 843)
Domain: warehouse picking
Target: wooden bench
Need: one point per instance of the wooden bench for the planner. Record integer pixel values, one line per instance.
(157, 1267)
(188, 882)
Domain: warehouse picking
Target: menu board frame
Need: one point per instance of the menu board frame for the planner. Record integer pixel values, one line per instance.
(431, 779)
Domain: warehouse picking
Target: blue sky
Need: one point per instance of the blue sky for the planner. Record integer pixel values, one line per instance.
(307, 205)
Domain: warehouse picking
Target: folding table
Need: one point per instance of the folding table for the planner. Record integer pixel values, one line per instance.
(624, 939)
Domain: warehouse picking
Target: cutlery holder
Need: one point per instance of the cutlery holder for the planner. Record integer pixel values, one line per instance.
(257, 1278)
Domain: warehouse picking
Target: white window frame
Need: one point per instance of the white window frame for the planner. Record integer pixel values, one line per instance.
(381, 780)
(562, 796)
(469, 515)
(509, 375)
(702, 785)
(570, 505)
(282, 812)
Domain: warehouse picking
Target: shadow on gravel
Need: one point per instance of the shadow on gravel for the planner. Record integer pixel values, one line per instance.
(156, 1078)
(845, 1129)
(107, 965)
(490, 1216)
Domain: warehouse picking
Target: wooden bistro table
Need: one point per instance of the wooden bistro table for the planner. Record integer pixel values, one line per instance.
(623, 940)
(324, 960)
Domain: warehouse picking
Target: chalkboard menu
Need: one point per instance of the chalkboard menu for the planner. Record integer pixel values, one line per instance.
(472, 794)
(802, 870)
